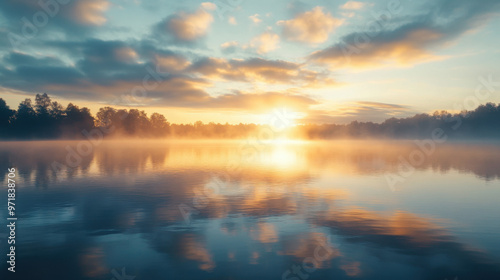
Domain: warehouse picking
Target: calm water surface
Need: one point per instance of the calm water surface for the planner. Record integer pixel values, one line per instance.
(234, 210)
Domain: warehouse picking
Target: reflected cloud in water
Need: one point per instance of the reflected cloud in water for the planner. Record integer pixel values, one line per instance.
(120, 208)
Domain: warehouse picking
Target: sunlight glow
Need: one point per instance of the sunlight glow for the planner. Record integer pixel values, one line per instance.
(282, 118)
(283, 157)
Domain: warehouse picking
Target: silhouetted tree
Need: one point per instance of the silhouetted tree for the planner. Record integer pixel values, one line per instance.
(75, 121)
(24, 120)
(5, 117)
(46, 125)
(159, 124)
(42, 104)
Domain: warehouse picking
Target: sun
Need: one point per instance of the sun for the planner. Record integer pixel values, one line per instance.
(282, 118)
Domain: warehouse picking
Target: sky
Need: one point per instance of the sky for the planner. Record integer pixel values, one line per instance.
(246, 61)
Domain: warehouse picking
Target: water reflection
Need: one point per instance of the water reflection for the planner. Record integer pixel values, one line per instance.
(278, 205)
(40, 162)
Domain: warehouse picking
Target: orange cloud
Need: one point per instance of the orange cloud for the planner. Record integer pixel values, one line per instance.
(265, 42)
(260, 70)
(190, 26)
(125, 54)
(361, 111)
(368, 52)
(90, 12)
(310, 27)
(353, 5)
(262, 102)
(232, 21)
(177, 91)
(186, 92)
(171, 63)
(209, 6)
(255, 18)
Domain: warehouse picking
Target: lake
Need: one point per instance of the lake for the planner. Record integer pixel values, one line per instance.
(253, 210)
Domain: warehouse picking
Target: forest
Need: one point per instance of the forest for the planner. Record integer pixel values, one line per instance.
(47, 119)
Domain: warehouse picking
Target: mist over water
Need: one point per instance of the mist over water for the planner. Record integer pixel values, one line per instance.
(254, 210)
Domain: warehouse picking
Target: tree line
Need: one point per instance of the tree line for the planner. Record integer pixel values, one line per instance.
(481, 123)
(47, 119)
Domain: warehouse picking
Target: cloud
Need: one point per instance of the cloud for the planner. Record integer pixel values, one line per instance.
(209, 6)
(265, 42)
(42, 19)
(255, 18)
(390, 47)
(111, 71)
(187, 27)
(171, 63)
(229, 47)
(359, 111)
(90, 12)
(261, 44)
(353, 5)
(310, 27)
(103, 69)
(21, 59)
(27, 73)
(182, 92)
(407, 39)
(258, 70)
(173, 91)
(232, 21)
(262, 102)
(374, 111)
(348, 14)
(98, 63)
